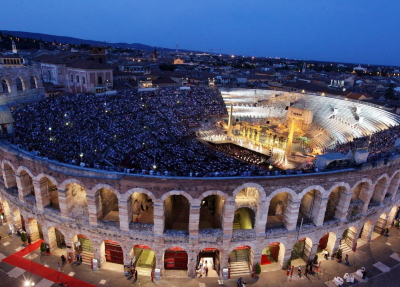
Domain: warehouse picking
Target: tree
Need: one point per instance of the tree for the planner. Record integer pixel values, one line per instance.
(389, 94)
(258, 268)
(24, 237)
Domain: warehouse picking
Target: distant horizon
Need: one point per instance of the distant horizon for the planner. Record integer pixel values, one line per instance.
(333, 31)
(195, 50)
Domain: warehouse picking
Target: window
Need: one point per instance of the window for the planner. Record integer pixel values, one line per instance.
(77, 79)
(49, 75)
(20, 86)
(32, 83)
(100, 80)
(72, 78)
(4, 86)
(83, 80)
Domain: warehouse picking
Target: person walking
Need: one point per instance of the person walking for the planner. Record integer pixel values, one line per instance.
(206, 269)
(80, 258)
(347, 259)
(59, 267)
(306, 272)
(299, 272)
(136, 275)
(63, 259)
(239, 282)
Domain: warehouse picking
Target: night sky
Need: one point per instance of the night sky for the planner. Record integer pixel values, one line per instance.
(357, 31)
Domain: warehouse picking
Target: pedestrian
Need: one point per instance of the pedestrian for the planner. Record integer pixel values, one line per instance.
(326, 254)
(347, 259)
(59, 266)
(77, 257)
(63, 259)
(206, 269)
(299, 272)
(239, 282)
(311, 266)
(306, 272)
(136, 275)
(80, 258)
(387, 232)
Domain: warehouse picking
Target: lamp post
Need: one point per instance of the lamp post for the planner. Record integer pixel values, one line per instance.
(154, 163)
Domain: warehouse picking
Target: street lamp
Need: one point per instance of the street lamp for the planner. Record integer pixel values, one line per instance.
(154, 163)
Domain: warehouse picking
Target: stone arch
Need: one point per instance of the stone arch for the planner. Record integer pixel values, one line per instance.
(176, 258)
(48, 190)
(33, 83)
(336, 200)
(244, 218)
(111, 251)
(394, 185)
(302, 249)
(178, 192)
(237, 245)
(278, 205)
(77, 203)
(361, 194)
(56, 239)
(125, 196)
(107, 204)
(5, 85)
(9, 174)
(327, 242)
(64, 184)
(85, 247)
(143, 257)
(19, 82)
(366, 231)
(17, 218)
(392, 215)
(273, 253)
(260, 189)
(292, 194)
(139, 203)
(176, 210)
(35, 230)
(311, 206)
(25, 186)
(6, 210)
(95, 189)
(380, 189)
(211, 209)
(349, 237)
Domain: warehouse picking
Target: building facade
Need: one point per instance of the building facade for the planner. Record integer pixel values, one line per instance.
(116, 217)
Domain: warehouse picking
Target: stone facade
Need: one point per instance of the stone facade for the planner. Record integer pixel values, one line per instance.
(82, 196)
(29, 87)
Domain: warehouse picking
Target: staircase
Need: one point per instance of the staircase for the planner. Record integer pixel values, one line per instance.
(143, 271)
(87, 251)
(236, 222)
(238, 263)
(34, 237)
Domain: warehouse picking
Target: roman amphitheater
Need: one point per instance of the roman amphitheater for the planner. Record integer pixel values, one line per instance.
(159, 221)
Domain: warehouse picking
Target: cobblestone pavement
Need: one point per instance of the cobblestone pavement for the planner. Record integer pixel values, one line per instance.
(380, 258)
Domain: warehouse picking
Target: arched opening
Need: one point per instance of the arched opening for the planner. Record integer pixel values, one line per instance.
(5, 214)
(140, 208)
(50, 198)
(301, 252)
(393, 215)
(27, 187)
(143, 259)
(112, 251)
(358, 200)
(5, 86)
(365, 233)
(379, 192)
(49, 75)
(349, 239)
(393, 186)
(35, 230)
(309, 207)
(176, 211)
(326, 243)
(211, 210)
(9, 176)
(77, 206)
(241, 260)
(333, 203)
(210, 258)
(379, 228)
(175, 258)
(18, 220)
(32, 83)
(244, 218)
(276, 211)
(107, 206)
(272, 257)
(249, 196)
(84, 247)
(100, 80)
(56, 240)
(19, 83)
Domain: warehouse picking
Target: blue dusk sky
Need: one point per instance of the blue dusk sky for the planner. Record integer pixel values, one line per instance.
(358, 31)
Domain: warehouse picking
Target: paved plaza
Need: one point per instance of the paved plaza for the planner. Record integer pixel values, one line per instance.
(379, 257)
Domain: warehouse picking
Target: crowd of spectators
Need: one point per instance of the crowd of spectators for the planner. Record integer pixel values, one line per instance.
(130, 131)
(378, 144)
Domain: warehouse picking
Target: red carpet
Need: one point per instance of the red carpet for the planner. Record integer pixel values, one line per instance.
(53, 275)
(265, 260)
(29, 249)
